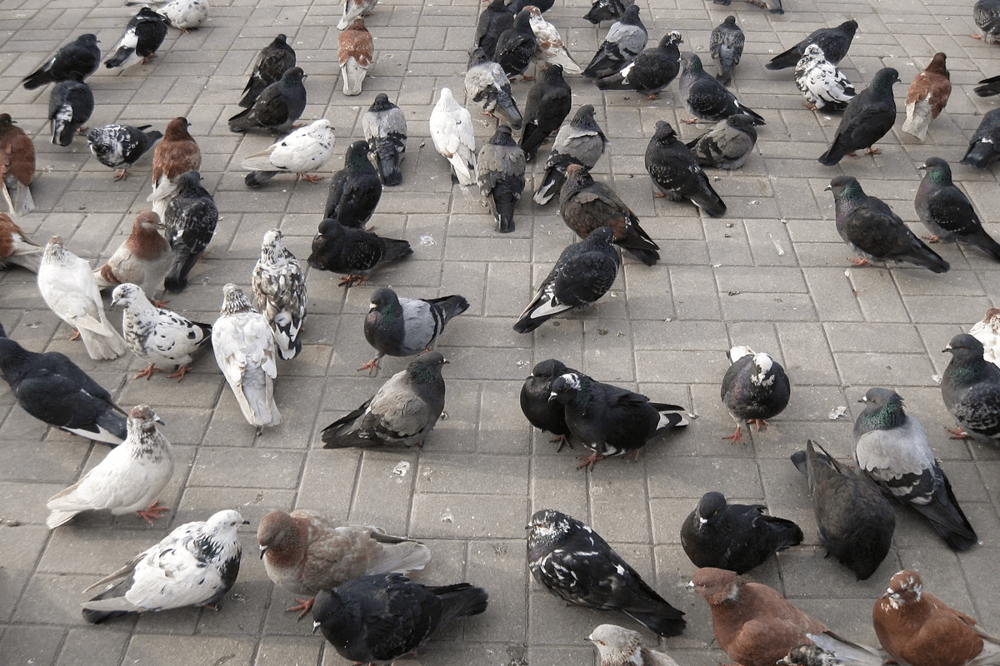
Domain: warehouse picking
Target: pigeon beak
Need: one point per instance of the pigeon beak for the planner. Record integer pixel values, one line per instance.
(157, 419)
(315, 627)
(922, 167)
(828, 188)
(552, 396)
(446, 362)
(263, 549)
(690, 585)
(946, 349)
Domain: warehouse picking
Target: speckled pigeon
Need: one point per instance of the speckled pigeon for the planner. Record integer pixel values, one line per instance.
(190, 221)
(273, 60)
(869, 117)
(579, 142)
(72, 62)
(651, 71)
(500, 174)
(834, 41)
(384, 125)
(947, 212)
(546, 415)
(488, 85)
(277, 107)
(355, 190)
(986, 14)
(726, 46)
(549, 45)
(121, 146)
(970, 387)
(677, 174)
(305, 150)
(516, 46)
(353, 252)
(984, 148)
(755, 388)
(727, 145)
(279, 288)
(823, 85)
(619, 646)
(624, 42)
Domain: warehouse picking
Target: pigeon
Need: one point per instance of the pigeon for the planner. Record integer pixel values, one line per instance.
(587, 205)
(546, 415)
(273, 60)
(157, 335)
(549, 44)
(607, 10)
(982, 151)
(584, 272)
(143, 259)
(737, 537)
(70, 105)
(454, 136)
(755, 388)
(651, 71)
(488, 85)
(988, 87)
(353, 252)
(355, 51)
(190, 221)
(400, 326)
(868, 225)
(56, 391)
(355, 190)
(16, 248)
(947, 212)
(549, 102)
(128, 479)
(305, 150)
(869, 116)
(384, 126)
(624, 42)
(892, 449)
(676, 173)
(493, 21)
(69, 289)
(354, 9)
(73, 62)
(927, 97)
(377, 619)
(277, 107)
(143, 36)
(176, 154)
(279, 287)
(195, 565)
(834, 41)
(823, 85)
(726, 47)
(579, 142)
(611, 421)
(855, 520)
(541, 5)
(121, 146)
(516, 46)
(500, 174)
(773, 6)
(619, 646)
(185, 15)
(245, 351)
(17, 166)
(705, 97)
(403, 411)
(987, 332)
(305, 552)
(813, 655)
(970, 387)
(727, 145)
(986, 14)
(577, 565)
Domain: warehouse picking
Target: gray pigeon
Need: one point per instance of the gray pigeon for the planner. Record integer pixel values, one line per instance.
(403, 411)
(624, 42)
(500, 174)
(726, 46)
(487, 84)
(984, 148)
(279, 287)
(71, 104)
(549, 102)
(355, 190)
(579, 142)
(986, 13)
(892, 449)
(773, 6)
(834, 41)
(277, 107)
(619, 646)
(398, 326)
(384, 125)
(273, 60)
(677, 174)
(651, 72)
(947, 212)
(727, 145)
(814, 655)
(970, 387)
(705, 97)
(823, 85)
(121, 146)
(869, 117)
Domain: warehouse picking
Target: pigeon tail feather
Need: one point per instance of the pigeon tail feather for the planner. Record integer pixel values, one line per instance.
(59, 517)
(400, 558)
(258, 178)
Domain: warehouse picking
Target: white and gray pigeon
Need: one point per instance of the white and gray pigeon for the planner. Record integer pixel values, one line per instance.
(157, 335)
(279, 286)
(195, 565)
(987, 331)
(651, 72)
(726, 47)
(727, 145)
(487, 84)
(755, 388)
(355, 9)
(970, 387)
(400, 326)
(129, 478)
(814, 655)
(245, 351)
(384, 125)
(580, 141)
(143, 36)
(454, 136)
(823, 85)
(121, 146)
(549, 45)
(185, 15)
(305, 150)
(500, 174)
(624, 42)
(619, 646)
(705, 97)
(69, 289)
(892, 449)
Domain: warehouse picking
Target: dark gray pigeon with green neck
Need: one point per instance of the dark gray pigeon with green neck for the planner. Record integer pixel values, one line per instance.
(355, 190)
(834, 41)
(947, 212)
(705, 97)
(277, 107)
(970, 387)
(868, 117)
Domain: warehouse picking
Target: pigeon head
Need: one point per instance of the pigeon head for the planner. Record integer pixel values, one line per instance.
(177, 130)
(234, 301)
(426, 368)
(554, 74)
(601, 236)
(564, 389)
(504, 135)
(88, 39)
(549, 526)
(126, 294)
(385, 302)
(967, 361)
(716, 586)
(846, 188)
(281, 38)
(850, 27)
(577, 177)
(616, 644)
(938, 65)
(535, 12)
(147, 221)
(381, 103)
(884, 78)
(13, 360)
(144, 418)
(691, 64)
(631, 16)
(730, 20)
(905, 587)
(523, 21)
(937, 171)
(55, 251)
(548, 368)
(665, 134)
(148, 13)
(883, 410)
(294, 75)
(762, 364)
(477, 57)
(813, 53)
(272, 246)
(584, 116)
(743, 123)
(225, 523)
(277, 535)
(5, 121)
(188, 179)
(710, 509)
(330, 233)
(672, 38)
(330, 611)
(356, 158)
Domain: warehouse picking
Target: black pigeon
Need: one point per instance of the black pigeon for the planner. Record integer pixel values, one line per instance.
(892, 449)
(988, 87)
(947, 212)
(487, 84)
(190, 222)
(705, 97)
(376, 619)
(607, 10)
(277, 107)
(727, 145)
(584, 272)
(855, 520)
(773, 6)
(737, 537)
(143, 35)
(353, 252)
(869, 226)
(385, 130)
(970, 387)
(986, 14)
(495, 19)
(580, 142)
(677, 174)
(611, 421)
(355, 190)
(73, 62)
(516, 46)
(55, 390)
(542, 5)
(755, 388)
(500, 174)
(651, 71)
(70, 105)
(546, 415)
(121, 146)
(549, 102)
(834, 41)
(576, 564)
(984, 148)
(868, 117)
(726, 46)
(624, 42)
(273, 60)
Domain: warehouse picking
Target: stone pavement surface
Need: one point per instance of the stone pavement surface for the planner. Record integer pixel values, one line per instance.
(772, 274)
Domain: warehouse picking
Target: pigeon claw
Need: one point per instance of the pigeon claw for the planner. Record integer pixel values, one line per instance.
(148, 372)
(588, 461)
(691, 121)
(563, 440)
(152, 512)
(653, 97)
(179, 373)
(811, 107)
(121, 175)
(305, 605)
(758, 423)
(75, 336)
(873, 151)
(736, 437)
(931, 239)
(371, 366)
(859, 261)
(309, 179)
(349, 281)
(958, 434)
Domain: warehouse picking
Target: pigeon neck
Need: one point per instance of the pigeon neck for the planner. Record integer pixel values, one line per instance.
(890, 415)
(966, 369)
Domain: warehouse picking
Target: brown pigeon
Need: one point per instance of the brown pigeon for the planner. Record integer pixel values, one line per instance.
(17, 166)
(177, 153)
(927, 97)
(355, 50)
(143, 259)
(15, 247)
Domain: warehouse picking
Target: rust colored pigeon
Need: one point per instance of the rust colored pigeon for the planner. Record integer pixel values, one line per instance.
(16, 248)
(177, 153)
(927, 97)
(355, 50)
(17, 166)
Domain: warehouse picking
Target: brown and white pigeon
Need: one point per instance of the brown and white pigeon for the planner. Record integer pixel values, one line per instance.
(549, 45)
(176, 154)
(16, 248)
(143, 259)
(987, 332)
(354, 9)
(279, 285)
(355, 51)
(927, 97)
(17, 166)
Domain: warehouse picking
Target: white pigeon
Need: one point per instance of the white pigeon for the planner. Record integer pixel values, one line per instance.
(619, 646)
(454, 136)
(68, 287)
(355, 9)
(185, 15)
(128, 479)
(304, 150)
(987, 332)
(280, 289)
(245, 351)
(824, 86)
(195, 565)
(549, 45)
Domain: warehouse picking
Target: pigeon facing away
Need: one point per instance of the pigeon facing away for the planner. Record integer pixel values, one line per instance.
(143, 36)
(121, 146)
(947, 212)
(354, 9)
(987, 332)
(377, 619)
(273, 60)
(834, 41)
(399, 326)
(624, 42)
(823, 85)
(868, 225)
(305, 150)
(927, 97)
(454, 136)
(355, 190)
(353, 252)
(71, 104)
(128, 479)
(190, 221)
(195, 565)
(988, 87)
(970, 387)
(16, 248)
(727, 145)
(577, 565)
(403, 411)
(986, 14)
(488, 85)
(549, 102)
(607, 10)
(277, 107)
(143, 259)
(384, 126)
(855, 520)
(546, 415)
(177, 154)
(185, 15)
(869, 117)
(516, 46)
(726, 46)
(279, 287)
(73, 62)
(584, 272)
(619, 646)
(755, 388)
(983, 151)
(549, 45)
(737, 537)
(17, 166)
(705, 97)
(493, 21)
(892, 449)
(355, 51)
(500, 174)
(579, 142)
(651, 71)
(676, 173)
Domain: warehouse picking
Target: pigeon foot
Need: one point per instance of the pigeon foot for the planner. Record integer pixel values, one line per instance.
(873, 151)
(588, 461)
(305, 605)
(653, 97)
(349, 281)
(958, 434)
(859, 261)
(75, 336)
(180, 372)
(931, 239)
(371, 366)
(691, 121)
(736, 437)
(563, 440)
(121, 175)
(758, 423)
(811, 107)
(148, 372)
(309, 179)
(152, 512)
